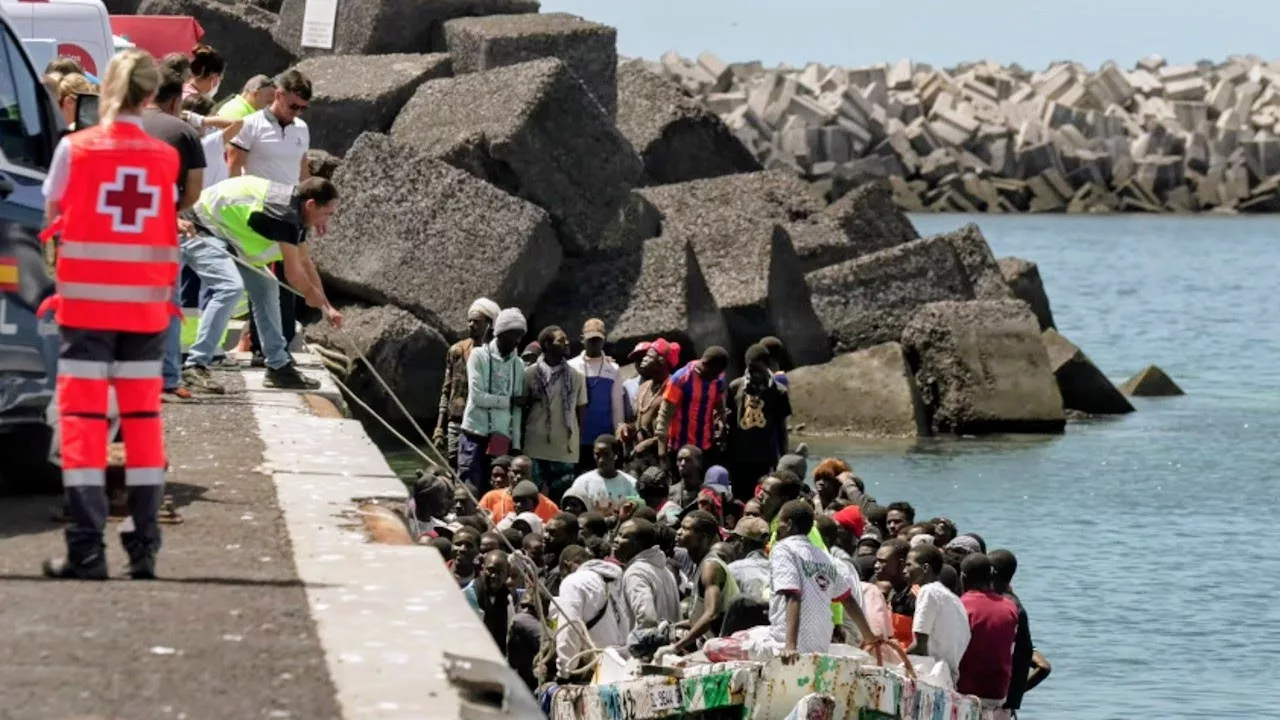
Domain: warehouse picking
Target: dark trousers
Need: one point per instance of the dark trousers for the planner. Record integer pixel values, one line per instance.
(288, 314)
(743, 613)
(473, 462)
(745, 476)
(89, 363)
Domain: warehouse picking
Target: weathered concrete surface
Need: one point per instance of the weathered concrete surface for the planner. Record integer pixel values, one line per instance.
(979, 263)
(869, 393)
(982, 368)
(863, 221)
(352, 94)
(238, 31)
(1023, 279)
(408, 353)
(658, 292)
(226, 627)
(434, 250)
(1083, 386)
(588, 49)
(869, 300)
(323, 164)
(1151, 381)
(765, 195)
(533, 130)
(676, 136)
(381, 27)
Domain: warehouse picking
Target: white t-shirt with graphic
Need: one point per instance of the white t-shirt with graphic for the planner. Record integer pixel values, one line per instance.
(941, 616)
(604, 495)
(800, 567)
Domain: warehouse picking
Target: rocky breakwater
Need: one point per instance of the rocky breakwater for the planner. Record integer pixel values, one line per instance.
(502, 153)
(982, 137)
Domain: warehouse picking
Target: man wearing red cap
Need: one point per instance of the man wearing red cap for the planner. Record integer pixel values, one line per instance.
(654, 370)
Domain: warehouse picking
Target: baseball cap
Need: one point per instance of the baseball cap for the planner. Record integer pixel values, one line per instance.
(524, 489)
(752, 528)
(639, 350)
(534, 348)
(593, 328)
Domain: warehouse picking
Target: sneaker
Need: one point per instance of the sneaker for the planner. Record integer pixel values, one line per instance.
(143, 567)
(199, 379)
(93, 568)
(258, 360)
(288, 378)
(178, 394)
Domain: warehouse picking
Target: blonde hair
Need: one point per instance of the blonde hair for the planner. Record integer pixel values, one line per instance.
(132, 78)
(75, 84)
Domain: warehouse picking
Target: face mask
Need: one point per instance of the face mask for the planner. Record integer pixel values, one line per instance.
(213, 91)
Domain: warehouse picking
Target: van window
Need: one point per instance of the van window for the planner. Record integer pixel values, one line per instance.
(21, 126)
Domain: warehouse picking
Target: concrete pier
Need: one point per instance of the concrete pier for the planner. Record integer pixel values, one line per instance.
(271, 602)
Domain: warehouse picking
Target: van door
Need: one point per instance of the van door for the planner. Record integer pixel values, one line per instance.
(27, 135)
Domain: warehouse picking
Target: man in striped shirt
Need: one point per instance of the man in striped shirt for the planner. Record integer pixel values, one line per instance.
(692, 406)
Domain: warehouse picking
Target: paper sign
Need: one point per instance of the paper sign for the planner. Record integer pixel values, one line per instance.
(665, 697)
(318, 19)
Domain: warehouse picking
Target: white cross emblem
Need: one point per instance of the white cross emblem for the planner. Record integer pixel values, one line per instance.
(130, 201)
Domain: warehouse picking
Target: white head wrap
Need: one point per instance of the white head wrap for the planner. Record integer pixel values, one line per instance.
(510, 319)
(485, 307)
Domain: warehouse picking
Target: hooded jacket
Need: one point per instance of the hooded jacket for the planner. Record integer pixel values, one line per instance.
(651, 590)
(583, 594)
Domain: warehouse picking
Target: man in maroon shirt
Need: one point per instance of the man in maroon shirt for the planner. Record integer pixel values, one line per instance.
(993, 624)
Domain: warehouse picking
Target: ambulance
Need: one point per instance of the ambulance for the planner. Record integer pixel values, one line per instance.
(75, 28)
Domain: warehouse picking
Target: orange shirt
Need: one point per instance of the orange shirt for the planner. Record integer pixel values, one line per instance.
(500, 504)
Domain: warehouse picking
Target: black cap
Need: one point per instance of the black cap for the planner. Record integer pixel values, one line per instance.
(524, 489)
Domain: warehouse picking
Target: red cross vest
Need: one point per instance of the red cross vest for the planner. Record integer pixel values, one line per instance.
(118, 254)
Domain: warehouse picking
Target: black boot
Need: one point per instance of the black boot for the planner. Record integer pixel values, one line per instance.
(143, 566)
(92, 568)
(288, 378)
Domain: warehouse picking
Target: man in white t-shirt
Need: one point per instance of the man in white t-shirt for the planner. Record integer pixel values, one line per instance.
(940, 624)
(805, 582)
(273, 144)
(606, 488)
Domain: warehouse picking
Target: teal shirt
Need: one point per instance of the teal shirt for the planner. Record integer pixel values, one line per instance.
(492, 383)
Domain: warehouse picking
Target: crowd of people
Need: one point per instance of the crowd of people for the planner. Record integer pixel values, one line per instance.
(660, 508)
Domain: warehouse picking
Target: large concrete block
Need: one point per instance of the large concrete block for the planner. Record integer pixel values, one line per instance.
(979, 263)
(869, 393)
(659, 291)
(380, 27)
(589, 49)
(352, 94)
(434, 250)
(533, 130)
(242, 33)
(863, 221)
(869, 300)
(1151, 381)
(1023, 279)
(982, 367)
(766, 195)
(408, 353)
(676, 137)
(1083, 386)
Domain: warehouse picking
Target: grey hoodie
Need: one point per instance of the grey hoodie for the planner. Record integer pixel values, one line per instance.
(583, 593)
(651, 591)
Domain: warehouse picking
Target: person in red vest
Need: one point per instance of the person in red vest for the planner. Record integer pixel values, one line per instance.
(110, 197)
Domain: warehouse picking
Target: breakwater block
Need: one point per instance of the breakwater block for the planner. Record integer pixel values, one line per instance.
(535, 131)
(869, 393)
(982, 367)
(588, 49)
(868, 301)
(860, 222)
(1151, 381)
(352, 94)
(676, 136)
(1023, 279)
(979, 263)
(1084, 387)
(476, 240)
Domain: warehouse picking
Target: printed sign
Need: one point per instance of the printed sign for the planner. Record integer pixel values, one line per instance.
(665, 697)
(318, 19)
(73, 50)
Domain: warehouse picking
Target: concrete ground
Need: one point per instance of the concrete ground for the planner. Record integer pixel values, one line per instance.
(226, 632)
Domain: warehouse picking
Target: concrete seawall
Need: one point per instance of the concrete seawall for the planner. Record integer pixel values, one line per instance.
(271, 602)
(982, 137)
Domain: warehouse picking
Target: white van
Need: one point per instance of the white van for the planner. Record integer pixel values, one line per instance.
(80, 28)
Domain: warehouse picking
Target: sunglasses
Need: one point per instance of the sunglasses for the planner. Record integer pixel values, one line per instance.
(297, 108)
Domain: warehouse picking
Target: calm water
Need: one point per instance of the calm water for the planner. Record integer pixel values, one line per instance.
(1148, 545)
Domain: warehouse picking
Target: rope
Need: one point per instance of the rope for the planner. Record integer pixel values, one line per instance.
(440, 461)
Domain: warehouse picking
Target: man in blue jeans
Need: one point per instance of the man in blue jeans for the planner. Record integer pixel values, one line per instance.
(260, 222)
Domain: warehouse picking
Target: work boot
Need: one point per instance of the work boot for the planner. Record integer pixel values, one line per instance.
(200, 379)
(258, 360)
(288, 378)
(178, 394)
(91, 568)
(143, 566)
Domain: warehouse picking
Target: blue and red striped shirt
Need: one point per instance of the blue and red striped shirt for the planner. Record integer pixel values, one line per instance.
(696, 401)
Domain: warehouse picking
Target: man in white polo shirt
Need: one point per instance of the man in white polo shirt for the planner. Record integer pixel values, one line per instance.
(273, 144)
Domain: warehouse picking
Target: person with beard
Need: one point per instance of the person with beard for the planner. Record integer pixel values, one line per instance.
(490, 595)
(758, 408)
(453, 397)
(640, 435)
(714, 589)
(557, 400)
(560, 532)
(649, 588)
